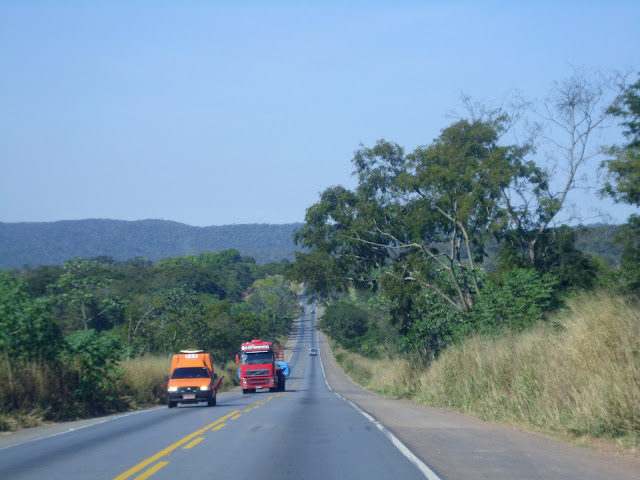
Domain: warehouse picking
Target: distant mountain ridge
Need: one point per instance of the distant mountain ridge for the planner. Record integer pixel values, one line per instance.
(53, 243)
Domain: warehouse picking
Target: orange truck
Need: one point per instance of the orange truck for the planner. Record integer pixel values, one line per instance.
(192, 379)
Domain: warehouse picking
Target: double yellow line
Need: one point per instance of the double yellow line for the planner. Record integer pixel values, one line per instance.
(166, 452)
(194, 438)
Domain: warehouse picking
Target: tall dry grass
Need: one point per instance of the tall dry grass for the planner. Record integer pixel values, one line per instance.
(577, 375)
(34, 393)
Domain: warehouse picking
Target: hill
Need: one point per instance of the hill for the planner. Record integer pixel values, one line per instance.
(52, 243)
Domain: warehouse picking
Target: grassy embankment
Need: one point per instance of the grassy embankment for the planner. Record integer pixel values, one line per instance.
(37, 393)
(576, 376)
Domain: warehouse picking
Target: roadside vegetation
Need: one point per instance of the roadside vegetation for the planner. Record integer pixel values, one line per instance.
(450, 274)
(94, 336)
(577, 374)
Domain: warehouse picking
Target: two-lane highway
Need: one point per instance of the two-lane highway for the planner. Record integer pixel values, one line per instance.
(306, 432)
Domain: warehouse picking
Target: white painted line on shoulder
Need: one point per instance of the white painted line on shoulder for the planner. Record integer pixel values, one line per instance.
(426, 471)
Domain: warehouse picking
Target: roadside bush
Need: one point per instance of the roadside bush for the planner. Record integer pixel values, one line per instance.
(92, 358)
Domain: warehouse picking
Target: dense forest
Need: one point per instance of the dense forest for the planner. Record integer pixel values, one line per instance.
(78, 320)
(52, 243)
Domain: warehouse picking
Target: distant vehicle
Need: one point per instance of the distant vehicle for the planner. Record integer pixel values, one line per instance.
(313, 351)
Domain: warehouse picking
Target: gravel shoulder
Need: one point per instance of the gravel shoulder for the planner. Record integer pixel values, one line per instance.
(457, 446)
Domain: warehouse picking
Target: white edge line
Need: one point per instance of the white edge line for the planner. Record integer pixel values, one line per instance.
(426, 471)
(73, 429)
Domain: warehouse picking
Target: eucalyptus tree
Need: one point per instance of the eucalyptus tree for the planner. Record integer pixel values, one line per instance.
(422, 218)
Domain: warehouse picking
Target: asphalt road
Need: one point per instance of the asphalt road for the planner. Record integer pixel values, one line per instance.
(306, 432)
(310, 431)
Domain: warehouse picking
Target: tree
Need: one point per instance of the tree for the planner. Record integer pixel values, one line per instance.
(275, 297)
(173, 319)
(575, 110)
(77, 289)
(27, 328)
(623, 166)
(415, 216)
(623, 183)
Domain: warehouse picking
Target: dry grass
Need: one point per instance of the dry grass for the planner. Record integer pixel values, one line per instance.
(35, 393)
(578, 376)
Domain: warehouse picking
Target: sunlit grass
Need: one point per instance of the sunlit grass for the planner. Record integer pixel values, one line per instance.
(577, 375)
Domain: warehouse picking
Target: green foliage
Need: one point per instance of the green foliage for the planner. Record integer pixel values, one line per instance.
(519, 301)
(556, 254)
(173, 319)
(629, 236)
(93, 356)
(421, 217)
(624, 168)
(27, 329)
(274, 297)
(345, 322)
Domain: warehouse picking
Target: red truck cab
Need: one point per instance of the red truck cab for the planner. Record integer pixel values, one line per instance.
(259, 367)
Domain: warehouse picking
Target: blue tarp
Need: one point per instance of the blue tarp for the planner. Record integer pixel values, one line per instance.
(284, 366)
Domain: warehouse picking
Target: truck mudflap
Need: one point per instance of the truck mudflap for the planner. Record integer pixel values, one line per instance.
(284, 366)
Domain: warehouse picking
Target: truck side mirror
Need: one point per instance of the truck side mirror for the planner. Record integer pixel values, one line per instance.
(166, 378)
(237, 359)
(215, 376)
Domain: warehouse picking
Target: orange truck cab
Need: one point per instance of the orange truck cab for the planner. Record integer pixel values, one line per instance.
(192, 379)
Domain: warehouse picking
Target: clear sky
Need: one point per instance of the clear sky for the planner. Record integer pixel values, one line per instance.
(215, 113)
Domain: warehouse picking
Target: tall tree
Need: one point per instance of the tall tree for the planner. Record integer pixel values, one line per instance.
(623, 183)
(422, 217)
(566, 122)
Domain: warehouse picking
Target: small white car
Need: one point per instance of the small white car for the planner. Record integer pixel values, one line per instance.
(313, 351)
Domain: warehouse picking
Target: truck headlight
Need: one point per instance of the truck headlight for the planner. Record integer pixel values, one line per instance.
(205, 387)
(173, 389)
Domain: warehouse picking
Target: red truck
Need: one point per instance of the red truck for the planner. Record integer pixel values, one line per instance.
(261, 366)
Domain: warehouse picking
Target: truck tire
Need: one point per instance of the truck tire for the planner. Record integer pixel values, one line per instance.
(245, 391)
(212, 401)
(171, 404)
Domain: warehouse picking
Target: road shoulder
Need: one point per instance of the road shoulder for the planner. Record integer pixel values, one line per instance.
(459, 446)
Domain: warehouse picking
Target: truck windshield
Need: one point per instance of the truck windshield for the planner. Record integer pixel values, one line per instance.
(190, 372)
(256, 358)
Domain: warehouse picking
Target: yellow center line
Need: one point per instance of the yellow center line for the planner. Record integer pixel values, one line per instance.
(164, 452)
(152, 470)
(193, 444)
(236, 417)
(218, 427)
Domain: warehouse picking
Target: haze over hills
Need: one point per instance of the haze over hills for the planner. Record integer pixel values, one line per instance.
(53, 243)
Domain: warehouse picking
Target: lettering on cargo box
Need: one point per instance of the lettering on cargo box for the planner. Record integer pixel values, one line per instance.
(191, 355)
(256, 347)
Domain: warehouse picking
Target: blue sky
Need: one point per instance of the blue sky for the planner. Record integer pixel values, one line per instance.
(214, 113)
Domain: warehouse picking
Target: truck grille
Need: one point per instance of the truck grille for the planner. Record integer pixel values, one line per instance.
(256, 373)
(257, 381)
(188, 389)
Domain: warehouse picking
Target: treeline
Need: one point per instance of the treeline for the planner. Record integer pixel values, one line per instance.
(464, 235)
(53, 243)
(78, 320)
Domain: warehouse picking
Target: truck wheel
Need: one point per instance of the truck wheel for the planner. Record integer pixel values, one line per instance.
(171, 404)
(245, 391)
(212, 401)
